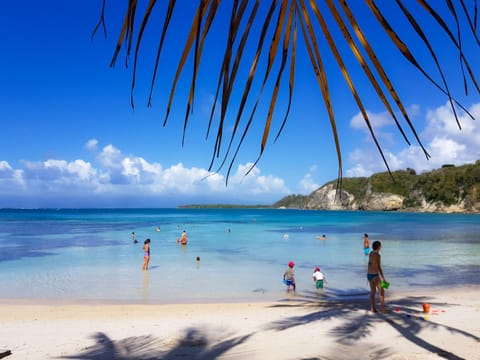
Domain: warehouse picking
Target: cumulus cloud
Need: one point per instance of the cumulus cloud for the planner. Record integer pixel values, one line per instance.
(377, 121)
(116, 175)
(442, 138)
(10, 178)
(307, 184)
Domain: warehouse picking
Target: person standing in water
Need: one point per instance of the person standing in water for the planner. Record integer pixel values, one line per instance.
(183, 239)
(366, 244)
(318, 278)
(375, 276)
(146, 254)
(289, 277)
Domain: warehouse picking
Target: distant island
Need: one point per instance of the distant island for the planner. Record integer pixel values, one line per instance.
(222, 206)
(450, 189)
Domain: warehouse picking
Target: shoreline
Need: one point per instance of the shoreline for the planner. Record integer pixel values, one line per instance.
(326, 294)
(290, 328)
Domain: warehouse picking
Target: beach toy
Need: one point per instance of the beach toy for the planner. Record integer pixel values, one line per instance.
(426, 308)
(385, 285)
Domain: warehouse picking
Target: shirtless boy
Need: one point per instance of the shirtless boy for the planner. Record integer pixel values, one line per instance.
(375, 276)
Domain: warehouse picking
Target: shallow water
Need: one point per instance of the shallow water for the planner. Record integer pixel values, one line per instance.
(89, 254)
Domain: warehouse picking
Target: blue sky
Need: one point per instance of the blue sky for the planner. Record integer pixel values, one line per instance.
(71, 139)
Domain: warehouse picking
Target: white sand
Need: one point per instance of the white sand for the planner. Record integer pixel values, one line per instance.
(296, 328)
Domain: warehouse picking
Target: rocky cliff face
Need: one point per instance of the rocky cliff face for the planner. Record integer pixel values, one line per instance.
(448, 189)
(327, 198)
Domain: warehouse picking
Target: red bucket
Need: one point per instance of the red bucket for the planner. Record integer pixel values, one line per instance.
(426, 308)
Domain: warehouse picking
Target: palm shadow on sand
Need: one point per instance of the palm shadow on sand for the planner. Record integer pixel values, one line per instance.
(194, 344)
(358, 323)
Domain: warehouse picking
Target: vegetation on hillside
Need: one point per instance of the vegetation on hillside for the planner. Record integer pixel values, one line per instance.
(221, 206)
(447, 186)
(293, 201)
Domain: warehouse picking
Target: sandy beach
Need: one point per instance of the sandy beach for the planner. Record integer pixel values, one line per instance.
(296, 327)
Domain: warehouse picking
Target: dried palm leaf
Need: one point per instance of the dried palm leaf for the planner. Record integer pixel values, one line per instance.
(381, 72)
(225, 74)
(291, 14)
(168, 17)
(146, 16)
(463, 59)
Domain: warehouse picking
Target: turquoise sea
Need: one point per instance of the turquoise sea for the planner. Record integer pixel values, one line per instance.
(88, 254)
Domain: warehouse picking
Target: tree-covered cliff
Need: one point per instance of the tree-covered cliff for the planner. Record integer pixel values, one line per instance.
(449, 189)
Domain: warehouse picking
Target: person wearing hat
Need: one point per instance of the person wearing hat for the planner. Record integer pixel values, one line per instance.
(318, 278)
(289, 277)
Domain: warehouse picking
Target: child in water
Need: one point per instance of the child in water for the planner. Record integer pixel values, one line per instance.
(318, 278)
(289, 277)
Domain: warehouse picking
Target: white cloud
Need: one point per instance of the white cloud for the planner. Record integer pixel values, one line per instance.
(115, 176)
(110, 158)
(9, 178)
(307, 184)
(5, 169)
(377, 121)
(442, 138)
(91, 144)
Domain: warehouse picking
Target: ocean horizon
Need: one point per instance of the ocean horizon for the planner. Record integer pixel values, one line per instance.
(89, 255)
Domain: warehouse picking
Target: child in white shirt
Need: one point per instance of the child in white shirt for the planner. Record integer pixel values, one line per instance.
(318, 278)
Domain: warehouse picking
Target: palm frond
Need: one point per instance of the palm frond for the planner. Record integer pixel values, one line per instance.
(384, 77)
(146, 16)
(101, 22)
(421, 34)
(321, 76)
(228, 76)
(192, 36)
(463, 59)
(246, 28)
(168, 17)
